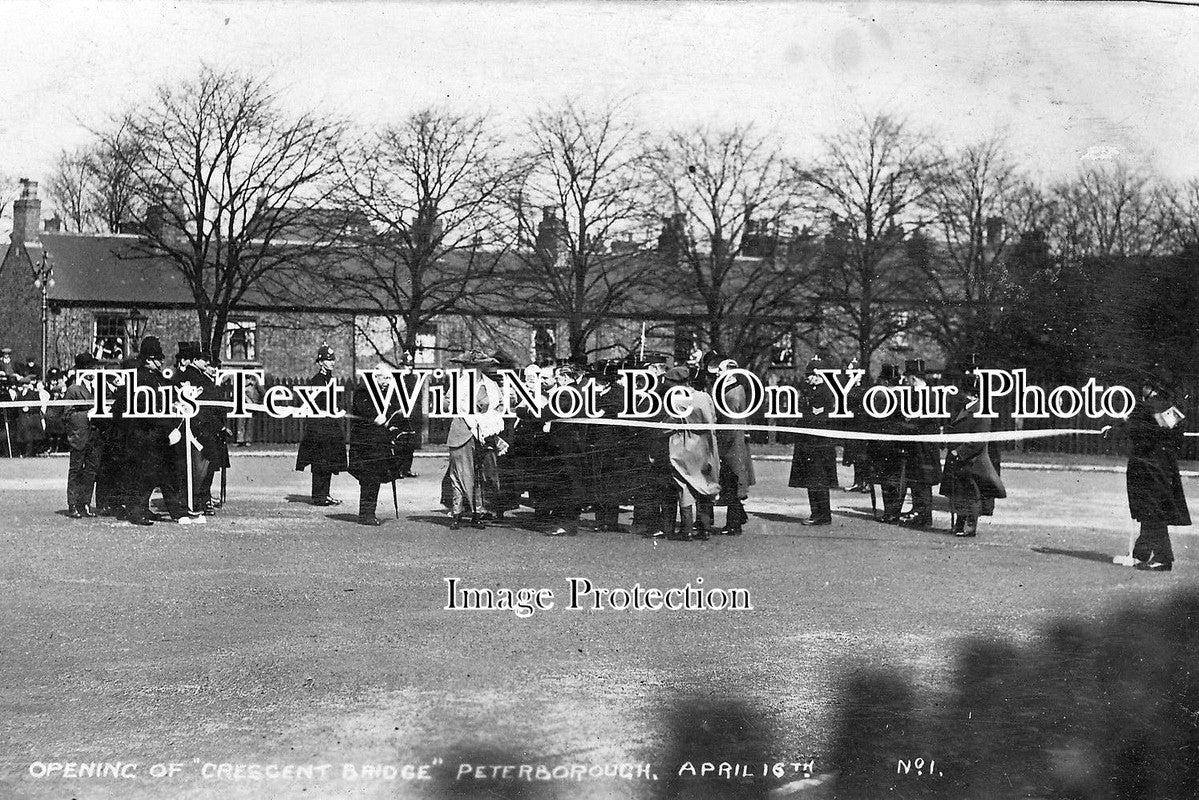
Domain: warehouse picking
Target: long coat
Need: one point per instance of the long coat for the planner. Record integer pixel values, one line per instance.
(208, 424)
(373, 452)
(957, 482)
(694, 453)
(1154, 485)
(736, 465)
(77, 425)
(921, 460)
(614, 466)
(324, 444)
(814, 461)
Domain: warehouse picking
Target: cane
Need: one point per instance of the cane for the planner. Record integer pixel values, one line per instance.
(7, 433)
(395, 502)
(224, 472)
(903, 484)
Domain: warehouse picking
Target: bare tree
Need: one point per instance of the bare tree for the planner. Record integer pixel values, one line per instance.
(113, 191)
(729, 235)
(869, 186)
(433, 189)
(68, 188)
(1114, 211)
(980, 204)
(586, 173)
(232, 184)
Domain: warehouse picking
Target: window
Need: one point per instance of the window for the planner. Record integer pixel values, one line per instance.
(545, 343)
(426, 346)
(241, 340)
(110, 342)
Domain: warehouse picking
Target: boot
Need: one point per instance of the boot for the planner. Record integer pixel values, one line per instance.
(686, 525)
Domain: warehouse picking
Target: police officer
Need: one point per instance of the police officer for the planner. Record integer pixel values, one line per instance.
(323, 447)
(887, 457)
(150, 459)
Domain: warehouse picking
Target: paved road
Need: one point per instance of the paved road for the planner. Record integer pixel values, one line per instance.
(285, 634)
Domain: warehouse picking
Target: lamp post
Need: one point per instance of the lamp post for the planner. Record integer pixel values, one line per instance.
(136, 326)
(43, 279)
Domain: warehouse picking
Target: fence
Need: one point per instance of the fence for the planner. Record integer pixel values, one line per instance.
(267, 430)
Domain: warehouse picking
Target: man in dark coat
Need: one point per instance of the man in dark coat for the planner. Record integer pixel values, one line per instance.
(887, 460)
(567, 462)
(736, 465)
(149, 459)
(854, 452)
(84, 442)
(374, 457)
(613, 468)
(814, 462)
(922, 460)
(207, 428)
(1155, 497)
(323, 447)
(969, 478)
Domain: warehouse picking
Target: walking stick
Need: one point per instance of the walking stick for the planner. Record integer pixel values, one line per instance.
(873, 502)
(903, 484)
(7, 433)
(224, 470)
(395, 502)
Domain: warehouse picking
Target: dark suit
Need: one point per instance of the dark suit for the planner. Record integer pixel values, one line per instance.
(323, 448)
(84, 443)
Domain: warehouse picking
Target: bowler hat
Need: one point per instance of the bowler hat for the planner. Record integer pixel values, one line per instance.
(151, 348)
(85, 361)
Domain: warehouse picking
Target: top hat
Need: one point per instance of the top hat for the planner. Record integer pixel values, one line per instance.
(325, 353)
(151, 348)
(189, 351)
(85, 361)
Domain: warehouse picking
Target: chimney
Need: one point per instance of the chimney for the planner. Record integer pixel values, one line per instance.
(54, 224)
(549, 232)
(27, 213)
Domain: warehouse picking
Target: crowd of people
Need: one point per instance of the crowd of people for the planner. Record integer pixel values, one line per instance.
(673, 471)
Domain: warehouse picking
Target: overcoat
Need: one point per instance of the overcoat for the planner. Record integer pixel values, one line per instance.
(373, 455)
(615, 469)
(77, 425)
(956, 479)
(324, 444)
(814, 461)
(922, 460)
(1154, 485)
(694, 453)
(736, 465)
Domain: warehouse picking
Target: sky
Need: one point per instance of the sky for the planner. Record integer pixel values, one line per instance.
(1065, 83)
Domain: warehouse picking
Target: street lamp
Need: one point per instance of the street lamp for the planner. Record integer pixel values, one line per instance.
(136, 325)
(43, 279)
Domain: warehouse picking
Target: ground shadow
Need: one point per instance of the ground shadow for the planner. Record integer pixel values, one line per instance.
(299, 498)
(343, 517)
(1085, 555)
